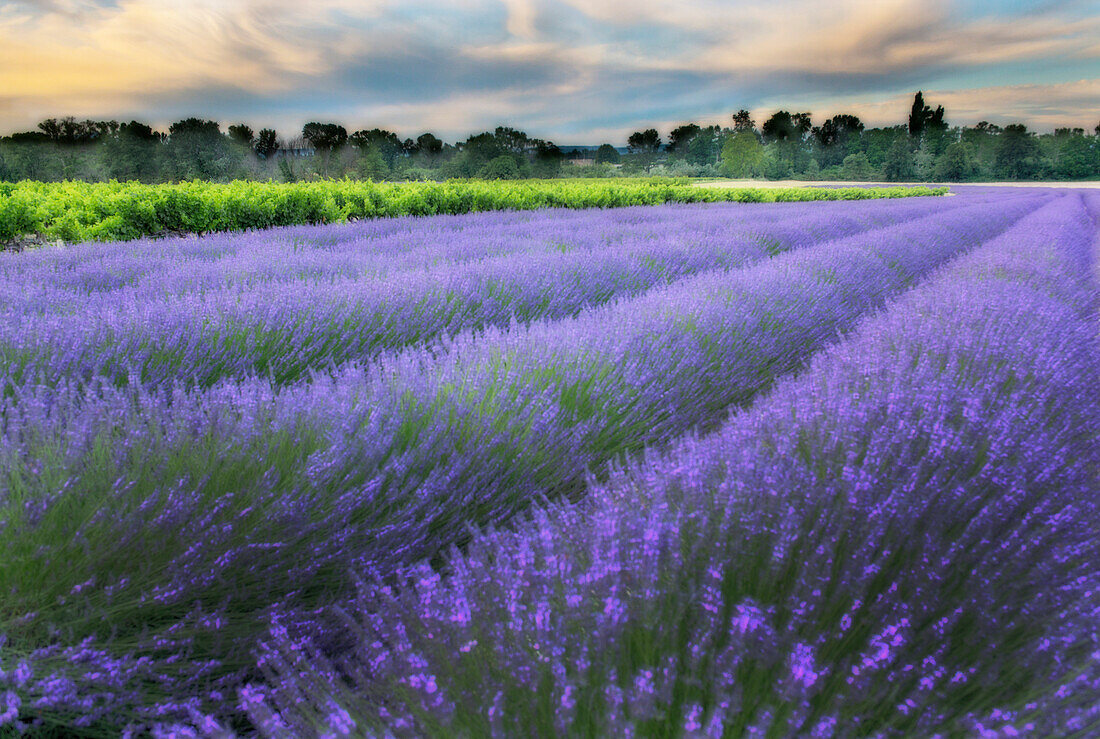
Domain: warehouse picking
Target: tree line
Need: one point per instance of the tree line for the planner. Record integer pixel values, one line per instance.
(924, 148)
(195, 148)
(786, 145)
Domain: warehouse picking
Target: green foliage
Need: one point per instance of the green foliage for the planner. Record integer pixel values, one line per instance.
(705, 147)
(502, 167)
(899, 164)
(196, 149)
(856, 167)
(17, 216)
(922, 119)
(774, 165)
(1077, 157)
(685, 168)
(372, 165)
(1017, 153)
(266, 143)
(644, 142)
(82, 211)
(925, 160)
(956, 164)
(286, 169)
(129, 156)
(607, 154)
(786, 145)
(385, 144)
(836, 138)
(785, 126)
(325, 136)
(242, 134)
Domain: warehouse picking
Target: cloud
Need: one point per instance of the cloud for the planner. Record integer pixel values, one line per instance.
(1040, 106)
(569, 68)
(521, 18)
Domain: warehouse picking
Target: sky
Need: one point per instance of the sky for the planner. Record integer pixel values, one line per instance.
(571, 71)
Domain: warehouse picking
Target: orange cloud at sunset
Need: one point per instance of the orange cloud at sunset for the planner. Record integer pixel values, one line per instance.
(557, 67)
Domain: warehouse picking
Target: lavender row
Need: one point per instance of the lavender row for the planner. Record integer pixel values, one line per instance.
(200, 512)
(901, 541)
(286, 329)
(156, 268)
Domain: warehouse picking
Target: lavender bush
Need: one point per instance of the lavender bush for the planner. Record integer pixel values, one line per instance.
(900, 541)
(156, 517)
(200, 316)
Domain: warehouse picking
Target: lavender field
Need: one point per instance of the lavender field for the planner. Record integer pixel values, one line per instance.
(821, 469)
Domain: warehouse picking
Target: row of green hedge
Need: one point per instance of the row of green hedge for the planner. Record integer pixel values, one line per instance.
(83, 211)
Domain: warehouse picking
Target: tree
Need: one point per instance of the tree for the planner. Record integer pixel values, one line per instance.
(922, 117)
(607, 154)
(503, 141)
(513, 141)
(26, 159)
(194, 126)
(241, 134)
(936, 121)
(196, 149)
(925, 161)
(131, 153)
(502, 167)
(918, 113)
(680, 137)
(956, 164)
(371, 165)
(857, 168)
(644, 142)
(266, 143)
(838, 129)
(836, 138)
(899, 165)
(783, 133)
(71, 132)
(29, 137)
(983, 140)
(1016, 153)
(742, 154)
(802, 123)
(428, 145)
(742, 121)
(51, 129)
(479, 150)
(548, 159)
(386, 143)
(325, 136)
(784, 126)
(139, 132)
(1077, 159)
(643, 145)
(705, 146)
(773, 164)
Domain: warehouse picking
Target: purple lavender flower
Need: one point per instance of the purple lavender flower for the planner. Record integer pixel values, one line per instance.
(277, 305)
(901, 540)
(170, 497)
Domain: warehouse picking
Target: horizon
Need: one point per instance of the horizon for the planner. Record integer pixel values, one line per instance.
(562, 71)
